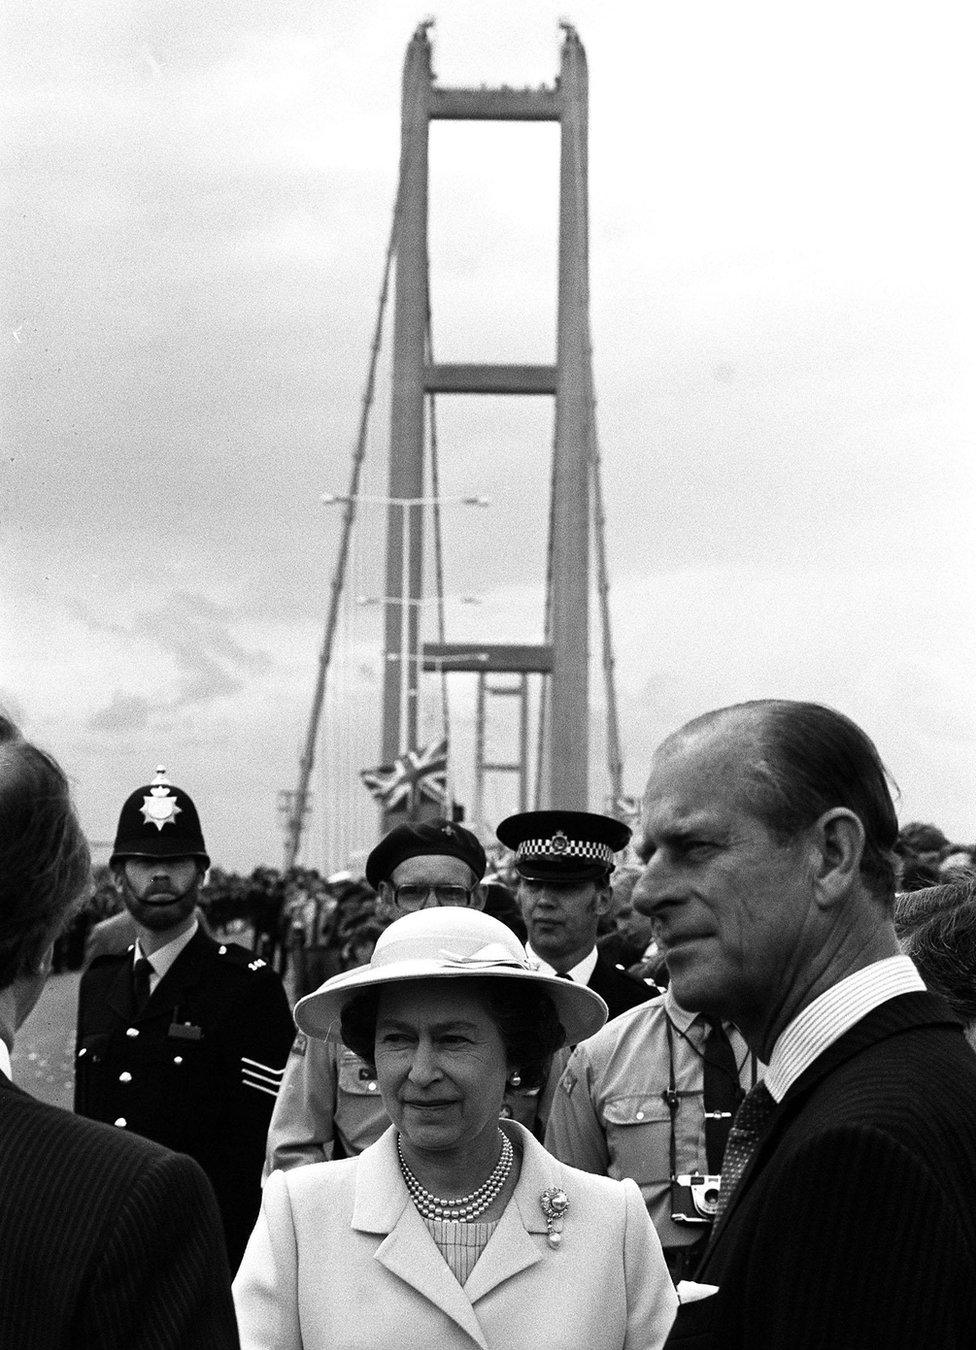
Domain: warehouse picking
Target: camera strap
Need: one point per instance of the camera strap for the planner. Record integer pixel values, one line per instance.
(672, 1096)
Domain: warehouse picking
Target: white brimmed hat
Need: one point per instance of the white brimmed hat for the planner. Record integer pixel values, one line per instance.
(450, 942)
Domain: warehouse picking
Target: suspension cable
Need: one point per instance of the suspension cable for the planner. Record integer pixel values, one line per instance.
(296, 819)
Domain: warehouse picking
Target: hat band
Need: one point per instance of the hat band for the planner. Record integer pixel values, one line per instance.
(559, 846)
(418, 949)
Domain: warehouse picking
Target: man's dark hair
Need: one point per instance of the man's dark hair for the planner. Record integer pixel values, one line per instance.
(938, 931)
(44, 859)
(525, 1017)
(810, 759)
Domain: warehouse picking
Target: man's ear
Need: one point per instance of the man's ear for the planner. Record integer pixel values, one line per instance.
(478, 897)
(839, 839)
(385, 910)
(604, 897)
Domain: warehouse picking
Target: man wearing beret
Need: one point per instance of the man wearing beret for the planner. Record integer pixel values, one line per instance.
(329, 1105)
(181, 1038)
(564, 861)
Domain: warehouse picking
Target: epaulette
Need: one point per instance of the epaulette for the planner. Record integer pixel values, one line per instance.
(233, 954)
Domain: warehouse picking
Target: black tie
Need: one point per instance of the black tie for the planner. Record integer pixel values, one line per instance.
(721, 1092)
(140, 984)
(750, 1125)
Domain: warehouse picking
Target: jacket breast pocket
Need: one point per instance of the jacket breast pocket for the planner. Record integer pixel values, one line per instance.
(356, 1078)
(638, 1133)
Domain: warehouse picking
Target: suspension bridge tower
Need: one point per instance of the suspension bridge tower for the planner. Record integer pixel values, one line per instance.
(575, 508)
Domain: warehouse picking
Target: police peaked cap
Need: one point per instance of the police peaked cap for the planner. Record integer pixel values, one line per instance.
(159, 821)
(563, 845)
(432, 839)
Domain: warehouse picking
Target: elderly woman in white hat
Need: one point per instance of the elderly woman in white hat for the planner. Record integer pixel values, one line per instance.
(455, 1228)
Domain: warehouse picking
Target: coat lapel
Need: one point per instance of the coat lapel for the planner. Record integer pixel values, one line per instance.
(119, 996)
(382, 1205)
(186, 971)
(512, 1247)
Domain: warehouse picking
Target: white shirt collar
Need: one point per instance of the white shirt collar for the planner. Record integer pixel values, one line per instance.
(827, 1018)
(163, 958)
(580, 973)
(5, 1068)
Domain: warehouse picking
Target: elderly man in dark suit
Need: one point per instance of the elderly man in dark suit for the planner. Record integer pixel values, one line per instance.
(108, 1241)
(847, 1218)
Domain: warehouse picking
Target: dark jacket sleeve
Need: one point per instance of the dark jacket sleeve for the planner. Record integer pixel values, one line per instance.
(161, 1281)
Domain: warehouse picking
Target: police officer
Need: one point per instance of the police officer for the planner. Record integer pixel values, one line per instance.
(564, 861)
(329, 1105)
(181, 1038)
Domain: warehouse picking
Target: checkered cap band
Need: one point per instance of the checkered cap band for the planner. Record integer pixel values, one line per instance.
(560, 846)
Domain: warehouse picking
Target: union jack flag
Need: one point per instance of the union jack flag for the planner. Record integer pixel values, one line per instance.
(628, 809)
(413, 776)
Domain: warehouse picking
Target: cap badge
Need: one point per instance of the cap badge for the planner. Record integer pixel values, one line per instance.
(159, 808)
(559, 842)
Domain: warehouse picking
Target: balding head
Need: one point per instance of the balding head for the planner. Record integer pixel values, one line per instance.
(799, 760)
(44, 859)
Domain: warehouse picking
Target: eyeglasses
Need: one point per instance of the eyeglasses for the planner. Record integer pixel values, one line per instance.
(409, 898)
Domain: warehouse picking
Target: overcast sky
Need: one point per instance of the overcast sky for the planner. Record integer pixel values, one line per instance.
(784, 319)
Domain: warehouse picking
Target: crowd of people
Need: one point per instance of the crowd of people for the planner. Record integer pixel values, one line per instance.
(709, 1083)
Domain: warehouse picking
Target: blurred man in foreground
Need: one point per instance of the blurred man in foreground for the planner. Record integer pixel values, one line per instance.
(846, 1215)
(109, 1241)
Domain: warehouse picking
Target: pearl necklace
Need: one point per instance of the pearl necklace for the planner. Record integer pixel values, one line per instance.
(466, 1207)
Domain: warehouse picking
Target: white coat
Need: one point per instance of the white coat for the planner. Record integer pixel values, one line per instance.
(340, 1258)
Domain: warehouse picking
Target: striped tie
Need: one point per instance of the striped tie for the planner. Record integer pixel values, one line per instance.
(748, 1128)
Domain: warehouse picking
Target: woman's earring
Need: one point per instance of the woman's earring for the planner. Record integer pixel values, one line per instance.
(515, 1079)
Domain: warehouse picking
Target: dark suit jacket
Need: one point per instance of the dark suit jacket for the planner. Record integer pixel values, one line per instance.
(198, 1070)
(107, 1241)
(618, 990)
(854, 1225)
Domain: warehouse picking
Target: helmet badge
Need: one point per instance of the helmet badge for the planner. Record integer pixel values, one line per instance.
(159, 808)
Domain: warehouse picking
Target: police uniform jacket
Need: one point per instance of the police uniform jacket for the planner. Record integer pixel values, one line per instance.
(340, 1257)
(108, 1240)
(197, 1070)
(618, 990)
(611, 1113)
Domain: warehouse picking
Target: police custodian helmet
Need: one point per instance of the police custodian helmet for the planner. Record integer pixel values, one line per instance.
(159, 821)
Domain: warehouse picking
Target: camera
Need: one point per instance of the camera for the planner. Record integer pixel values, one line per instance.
(694, 1197)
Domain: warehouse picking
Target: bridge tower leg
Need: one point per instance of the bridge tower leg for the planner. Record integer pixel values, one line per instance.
(569, 381)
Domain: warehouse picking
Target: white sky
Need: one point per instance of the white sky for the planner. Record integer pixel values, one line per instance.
(784, 316)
